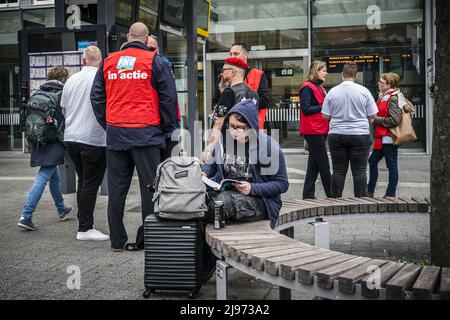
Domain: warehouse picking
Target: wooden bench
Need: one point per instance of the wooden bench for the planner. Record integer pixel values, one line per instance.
(273, 255)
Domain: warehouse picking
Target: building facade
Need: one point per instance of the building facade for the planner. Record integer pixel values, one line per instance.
(284, 37)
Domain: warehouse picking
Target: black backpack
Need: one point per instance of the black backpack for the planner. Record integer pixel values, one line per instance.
(43, 123)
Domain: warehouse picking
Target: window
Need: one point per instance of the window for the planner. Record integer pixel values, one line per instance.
(38, 18)
(148, 14)
(125, 12)
(42, 2)
(9, 3)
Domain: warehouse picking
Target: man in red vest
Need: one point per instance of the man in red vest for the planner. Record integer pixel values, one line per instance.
(135, 99)
(255, 79)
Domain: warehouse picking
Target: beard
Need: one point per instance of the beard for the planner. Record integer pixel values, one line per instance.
(223, 84)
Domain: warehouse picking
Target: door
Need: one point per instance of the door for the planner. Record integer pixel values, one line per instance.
(10, 135)
(285, 71)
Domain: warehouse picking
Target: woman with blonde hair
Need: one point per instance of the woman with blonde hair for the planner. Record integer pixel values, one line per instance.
(315, 129)
(390, 103)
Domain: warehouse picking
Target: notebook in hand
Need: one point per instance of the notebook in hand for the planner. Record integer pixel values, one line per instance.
(225, 184)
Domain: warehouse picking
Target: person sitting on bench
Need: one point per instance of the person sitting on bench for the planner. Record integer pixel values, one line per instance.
(252, 158)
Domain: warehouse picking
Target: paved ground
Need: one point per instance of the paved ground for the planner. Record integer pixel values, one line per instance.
(37, 265)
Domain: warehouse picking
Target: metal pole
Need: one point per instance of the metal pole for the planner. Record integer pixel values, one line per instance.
(60, 13)
(192, 74)
(309, 26)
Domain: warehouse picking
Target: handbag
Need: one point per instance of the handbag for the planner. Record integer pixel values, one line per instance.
(404, 132)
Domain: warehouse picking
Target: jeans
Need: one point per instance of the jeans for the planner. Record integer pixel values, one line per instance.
(120, 172)
(45, 174)
(390, 154)
(344, 149)
(90, 165)
(317, 163)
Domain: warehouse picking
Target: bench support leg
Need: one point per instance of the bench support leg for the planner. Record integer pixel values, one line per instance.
(285, 293)
(222, 280)
(321, 234)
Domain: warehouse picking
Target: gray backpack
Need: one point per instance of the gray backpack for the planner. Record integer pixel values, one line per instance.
(179, 190)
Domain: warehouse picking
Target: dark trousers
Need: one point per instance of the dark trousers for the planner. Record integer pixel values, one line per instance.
(317, 163)
(390, 154)
(90, 165)
(120, 172)
(344, 149)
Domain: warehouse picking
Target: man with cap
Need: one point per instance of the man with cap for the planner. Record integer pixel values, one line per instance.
(255, 79)
(233, 73)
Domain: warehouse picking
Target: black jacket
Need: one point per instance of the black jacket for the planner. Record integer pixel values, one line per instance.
(53, 153)
(120, 139)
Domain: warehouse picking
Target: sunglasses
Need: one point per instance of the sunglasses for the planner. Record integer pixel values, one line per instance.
(152, 49)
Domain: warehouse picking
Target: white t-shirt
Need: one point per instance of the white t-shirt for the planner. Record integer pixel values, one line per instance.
(81, 124)
(349, 104)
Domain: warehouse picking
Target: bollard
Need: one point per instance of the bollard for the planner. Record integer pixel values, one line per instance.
(68, 176)
(321, 233)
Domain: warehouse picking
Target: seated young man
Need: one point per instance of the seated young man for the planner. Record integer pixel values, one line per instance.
(255, 160)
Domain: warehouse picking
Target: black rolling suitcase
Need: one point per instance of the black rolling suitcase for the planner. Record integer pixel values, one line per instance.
(173, 255)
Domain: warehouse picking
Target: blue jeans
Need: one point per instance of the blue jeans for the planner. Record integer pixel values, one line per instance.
(45, 174)
(390, 154)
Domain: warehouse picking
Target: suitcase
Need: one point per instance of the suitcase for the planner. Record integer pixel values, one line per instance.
(173, 255)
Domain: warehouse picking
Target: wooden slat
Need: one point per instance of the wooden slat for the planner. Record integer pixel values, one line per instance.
(444, 287)
(348, 279)
(258, 260)
(219, 239)
(386, 272)
(343, 204)
(231, 248)
(426, 284)
(391, 205)
(423, 205)
(246, 256)
(287, 269)
(413, 206)
(353, 204)
(271, 265)
(320, 208)
(236, 253)
(402, 206)
(365, 206)
(325, 277)
(381, 205)
(401, 282)
(327, 205)
(306, 272)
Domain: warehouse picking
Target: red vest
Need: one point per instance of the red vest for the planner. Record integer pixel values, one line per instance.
(131, 101)
(252, 80)
(314, 124)
(383, 111)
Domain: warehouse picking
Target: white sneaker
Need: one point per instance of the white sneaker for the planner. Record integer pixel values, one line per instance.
(92, 235)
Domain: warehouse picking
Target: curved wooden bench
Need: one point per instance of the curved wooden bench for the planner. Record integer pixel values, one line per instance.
(258, 250)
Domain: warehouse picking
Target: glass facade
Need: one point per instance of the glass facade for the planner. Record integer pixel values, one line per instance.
(388, 37)
(381, 36)
(10, 136)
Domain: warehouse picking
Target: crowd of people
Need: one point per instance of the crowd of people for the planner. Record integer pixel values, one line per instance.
(120, 114)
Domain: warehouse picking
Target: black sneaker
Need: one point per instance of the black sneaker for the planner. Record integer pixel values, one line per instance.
(27, 224)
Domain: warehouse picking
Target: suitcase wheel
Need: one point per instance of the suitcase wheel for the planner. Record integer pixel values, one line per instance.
(193, 294)
(147, 293)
